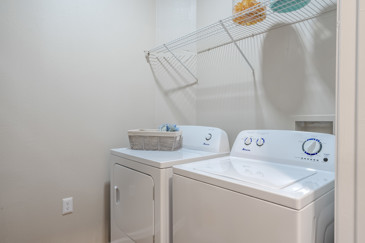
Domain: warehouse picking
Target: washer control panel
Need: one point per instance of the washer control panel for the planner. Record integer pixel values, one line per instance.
(312, 150)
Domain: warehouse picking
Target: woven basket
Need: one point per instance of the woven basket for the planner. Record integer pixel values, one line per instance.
(154, 139)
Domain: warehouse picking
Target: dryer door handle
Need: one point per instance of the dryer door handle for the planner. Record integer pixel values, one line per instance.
(116, 195)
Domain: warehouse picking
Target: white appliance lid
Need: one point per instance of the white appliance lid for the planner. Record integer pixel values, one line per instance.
(164, 159)
(272, 175)
(286, 185)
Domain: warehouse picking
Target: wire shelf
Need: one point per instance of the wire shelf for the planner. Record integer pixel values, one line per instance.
(214, 35)
(266, 15)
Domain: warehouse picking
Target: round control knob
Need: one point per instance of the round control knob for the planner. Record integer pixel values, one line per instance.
(248, 141)
(312, 146)
(260, 142)
(208, 137)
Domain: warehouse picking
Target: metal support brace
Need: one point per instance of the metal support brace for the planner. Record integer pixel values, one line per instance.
(187, 69)
(239, 49)
(147, 56)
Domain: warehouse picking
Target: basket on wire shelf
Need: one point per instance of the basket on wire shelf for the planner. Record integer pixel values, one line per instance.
(154, 139)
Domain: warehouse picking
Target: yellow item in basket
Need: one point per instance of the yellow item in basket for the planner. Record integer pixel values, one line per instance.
(257, 13)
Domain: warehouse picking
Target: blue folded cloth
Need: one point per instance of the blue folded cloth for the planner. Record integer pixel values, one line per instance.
(169, 128)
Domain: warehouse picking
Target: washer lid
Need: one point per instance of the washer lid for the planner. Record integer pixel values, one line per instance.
(286, 185)
(274, 176)
(164, 159)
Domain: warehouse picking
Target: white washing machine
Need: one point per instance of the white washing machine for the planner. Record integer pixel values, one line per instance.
(141, 184)
(275, 187)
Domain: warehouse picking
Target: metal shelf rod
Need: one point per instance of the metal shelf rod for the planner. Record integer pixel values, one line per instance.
(239, 49)
(182, 64)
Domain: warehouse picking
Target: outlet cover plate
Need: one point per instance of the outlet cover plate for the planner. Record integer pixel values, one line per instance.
(67, 205)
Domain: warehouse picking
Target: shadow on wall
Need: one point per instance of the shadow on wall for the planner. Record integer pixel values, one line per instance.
(283, 69)
(227, 96)
(324, 52)
(176, 84)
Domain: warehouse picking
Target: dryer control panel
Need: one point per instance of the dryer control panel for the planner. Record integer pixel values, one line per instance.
(308, 149)
(203, 138)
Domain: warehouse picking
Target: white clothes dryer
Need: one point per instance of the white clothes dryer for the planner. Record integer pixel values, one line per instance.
(276, 186)
(141, 184)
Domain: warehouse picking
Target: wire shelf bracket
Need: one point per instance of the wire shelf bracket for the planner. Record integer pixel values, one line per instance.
(238, 48)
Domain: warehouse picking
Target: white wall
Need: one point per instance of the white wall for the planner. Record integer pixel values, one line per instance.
(73, 80)
(175, 103)
(295, 75)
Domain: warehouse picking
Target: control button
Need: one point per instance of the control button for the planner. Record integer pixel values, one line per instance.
(248, 141)
(325, 159)
(260, 142)
(208, 137)
(312, 146)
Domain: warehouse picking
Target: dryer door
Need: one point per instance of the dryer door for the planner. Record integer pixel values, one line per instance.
(134, 203)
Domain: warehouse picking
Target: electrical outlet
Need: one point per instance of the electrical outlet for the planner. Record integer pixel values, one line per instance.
(67, 205)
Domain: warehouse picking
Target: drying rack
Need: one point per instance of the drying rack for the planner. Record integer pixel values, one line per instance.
(227, 31)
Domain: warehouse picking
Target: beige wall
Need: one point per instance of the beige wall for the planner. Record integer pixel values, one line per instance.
(361, 126)
(73, 79)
